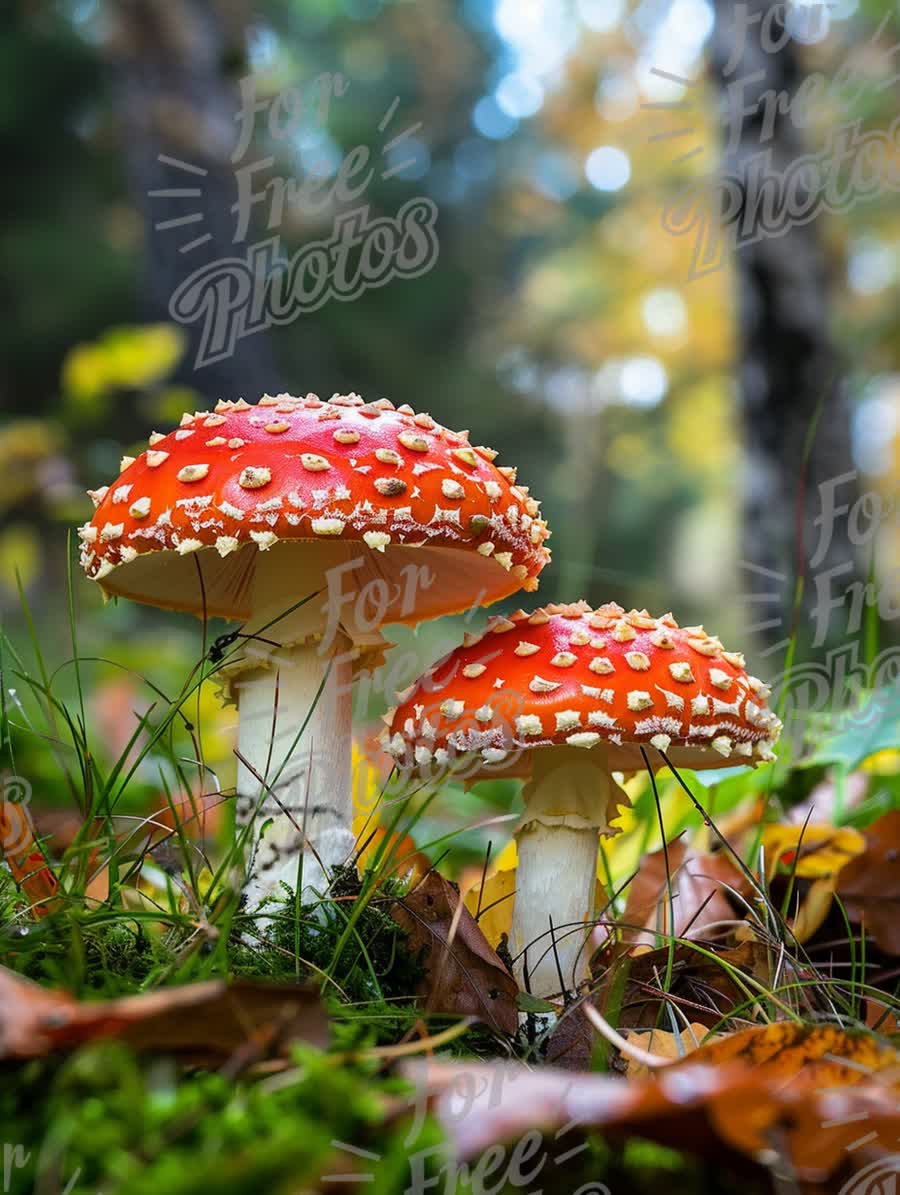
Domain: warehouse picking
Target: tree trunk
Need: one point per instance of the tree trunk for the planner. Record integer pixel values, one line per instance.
(794, 408)
(172, 58)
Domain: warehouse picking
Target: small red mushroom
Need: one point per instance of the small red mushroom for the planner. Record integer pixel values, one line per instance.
(245, 511)
(562, 698)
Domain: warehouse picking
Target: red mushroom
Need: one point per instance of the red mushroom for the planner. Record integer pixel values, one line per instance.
(243, 512)
(562, 698)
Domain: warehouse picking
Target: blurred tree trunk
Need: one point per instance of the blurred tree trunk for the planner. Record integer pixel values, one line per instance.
(173, 59)
(794, 408)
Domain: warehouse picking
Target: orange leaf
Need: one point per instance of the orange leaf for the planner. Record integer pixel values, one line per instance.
(20, 851)
(816, 1055)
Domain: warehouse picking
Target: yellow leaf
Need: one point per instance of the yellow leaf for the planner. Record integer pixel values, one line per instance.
(205, 881)
(367, 785)
(812, 852)
(168, 404)
(496, 904)
(138, 357)
(665, 1045)
(84, 377)
(814, 908)
(883, 763)
(20, 553)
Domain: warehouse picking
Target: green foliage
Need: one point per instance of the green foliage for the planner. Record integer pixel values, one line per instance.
(91, 956)
(374, 965)
(104, 1120)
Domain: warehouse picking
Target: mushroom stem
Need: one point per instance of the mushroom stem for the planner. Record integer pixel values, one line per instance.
(555, 880)
(565, 811)
(297, 787)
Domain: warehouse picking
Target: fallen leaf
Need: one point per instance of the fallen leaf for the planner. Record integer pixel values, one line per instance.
(491, 901)
(824, 1055)
(699, 895)
(463, 975)
(705, 989)
(810, 852)
(662, 1043)
(572, 1042)
(881, 1018)
(20, 851)
(201, 1019)
(869, 886)
(712, 1112)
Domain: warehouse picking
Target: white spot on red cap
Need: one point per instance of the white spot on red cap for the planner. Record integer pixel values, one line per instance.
(539, 685)
(377, 540)
(254, 477)
(192, 473)
(583, 738)
(327, 526)
(529, 725)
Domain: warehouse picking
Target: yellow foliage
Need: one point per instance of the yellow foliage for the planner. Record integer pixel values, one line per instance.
(20, 552)
(84, 375)
(883, 763)
(701, 435)
(812, 852)
(124, 358)
(170, 403)
(25, 445)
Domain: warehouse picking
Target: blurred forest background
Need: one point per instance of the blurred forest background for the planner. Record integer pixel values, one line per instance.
(677, 429)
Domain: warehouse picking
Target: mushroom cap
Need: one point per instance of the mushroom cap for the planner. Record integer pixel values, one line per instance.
(570, 675)
(344, 479)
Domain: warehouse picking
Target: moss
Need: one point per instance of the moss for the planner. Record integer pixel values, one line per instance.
(83, 954)
(369, 964)
(106, 1120)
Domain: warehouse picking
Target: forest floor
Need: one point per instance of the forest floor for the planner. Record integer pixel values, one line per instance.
(738, 1030)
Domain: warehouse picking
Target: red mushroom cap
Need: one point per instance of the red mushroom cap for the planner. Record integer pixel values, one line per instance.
(572, 675)
(244, 479)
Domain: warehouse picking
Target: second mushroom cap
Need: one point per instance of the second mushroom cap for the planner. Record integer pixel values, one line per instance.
(577, 676)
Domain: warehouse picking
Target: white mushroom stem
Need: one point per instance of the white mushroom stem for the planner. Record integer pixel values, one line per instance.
(566, 803)
(294, 781)
(298, 787)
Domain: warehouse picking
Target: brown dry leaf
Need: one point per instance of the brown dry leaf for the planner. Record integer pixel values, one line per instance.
(869, 885)
(820, 1055)
(699, 896)
(710, 1111)
(202, 1019)
(572, 1042)
(673, 1046)
(881, 1018)
(463, 975)
(703, 989)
